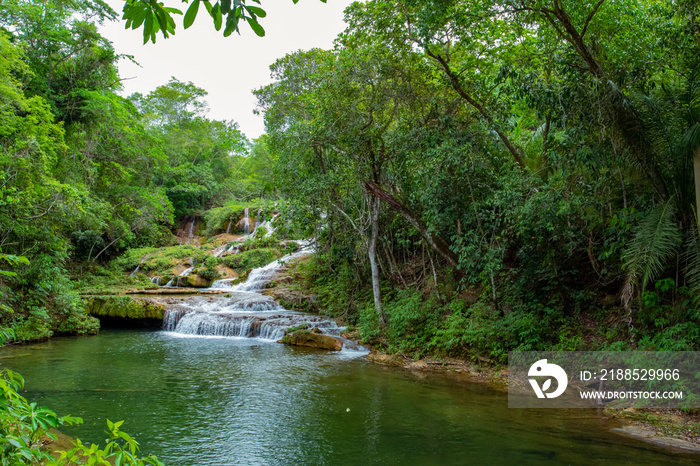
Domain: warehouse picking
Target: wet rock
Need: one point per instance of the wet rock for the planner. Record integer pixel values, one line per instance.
(255, 327)
(313, 340)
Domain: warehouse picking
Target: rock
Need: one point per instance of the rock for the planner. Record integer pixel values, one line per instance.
(225, 272)
(256, 326)
(313, 340)
(197, 281)
(124, 307)
(650, 435)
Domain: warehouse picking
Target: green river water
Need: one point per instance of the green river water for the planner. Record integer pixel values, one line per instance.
(225, 401)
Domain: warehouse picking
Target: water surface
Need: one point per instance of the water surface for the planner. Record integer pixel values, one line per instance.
(224, 401)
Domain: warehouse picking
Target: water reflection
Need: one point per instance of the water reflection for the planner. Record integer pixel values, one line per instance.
(221, 401)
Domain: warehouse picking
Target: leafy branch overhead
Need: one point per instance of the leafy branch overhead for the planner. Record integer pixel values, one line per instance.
(154, 17)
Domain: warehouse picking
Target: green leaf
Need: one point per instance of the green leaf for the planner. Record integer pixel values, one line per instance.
(256, 11)
(147, 27)
(225, 6)
(191, 14)
(256, 27)
(231, 25)
(216, 15)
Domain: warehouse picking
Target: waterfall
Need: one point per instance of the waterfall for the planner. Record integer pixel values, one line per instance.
(257, 221)
(246, 222)
(228, 228)
(267, 224)
(156, 280)
(139, 264)
(177, 281)
(258, 278)
(247, 315)
(244, 313)
(190, 233)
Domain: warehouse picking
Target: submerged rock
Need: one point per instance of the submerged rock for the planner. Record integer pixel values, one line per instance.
(313, 340)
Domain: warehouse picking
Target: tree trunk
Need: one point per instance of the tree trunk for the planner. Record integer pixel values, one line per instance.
(376, 288)
(696, 170)
(435, 241)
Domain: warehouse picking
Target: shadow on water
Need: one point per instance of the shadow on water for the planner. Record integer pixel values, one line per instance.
(219, 401)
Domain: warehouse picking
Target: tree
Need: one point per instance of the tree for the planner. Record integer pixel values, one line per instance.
(201, 154)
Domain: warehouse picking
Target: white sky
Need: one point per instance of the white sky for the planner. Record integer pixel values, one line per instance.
(228, 68)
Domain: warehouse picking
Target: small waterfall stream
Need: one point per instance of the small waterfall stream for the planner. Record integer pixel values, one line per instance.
(246, 222)
(176, 281)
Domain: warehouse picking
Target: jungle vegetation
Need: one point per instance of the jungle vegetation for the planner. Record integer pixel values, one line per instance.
(481, 176)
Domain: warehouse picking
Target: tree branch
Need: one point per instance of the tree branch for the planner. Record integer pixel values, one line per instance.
(435, 241)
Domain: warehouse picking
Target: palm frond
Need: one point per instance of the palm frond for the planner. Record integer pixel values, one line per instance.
(692, 257)
(656, 240)
(691, 138)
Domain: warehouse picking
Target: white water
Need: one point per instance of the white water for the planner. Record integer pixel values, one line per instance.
(246, 222)
(244, 313)
(258, 278)
(138, 266)
(175, 281)
(267, 224)
(228, 228)
(219, 251)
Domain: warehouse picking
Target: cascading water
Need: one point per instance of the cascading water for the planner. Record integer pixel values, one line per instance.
(219, 251)
(228, 228)
(259, 277)
(244, 312)
(190, 233)
(267, 225)
(138, 266)
(177, 281)
(246, 222)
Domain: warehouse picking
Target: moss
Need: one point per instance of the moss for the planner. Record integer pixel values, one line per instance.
(125, 307)
(251, 259)
(304, 326)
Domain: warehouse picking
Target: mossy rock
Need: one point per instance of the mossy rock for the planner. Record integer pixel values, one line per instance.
(125, 307)
(313, 340)
(197, 281)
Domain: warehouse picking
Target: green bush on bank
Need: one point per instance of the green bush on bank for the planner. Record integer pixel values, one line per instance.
(251, 259)
(420, 323)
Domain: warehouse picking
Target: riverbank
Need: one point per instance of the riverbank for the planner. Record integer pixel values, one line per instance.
(674, 429)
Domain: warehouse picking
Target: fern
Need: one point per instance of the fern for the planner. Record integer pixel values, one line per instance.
(655, 241)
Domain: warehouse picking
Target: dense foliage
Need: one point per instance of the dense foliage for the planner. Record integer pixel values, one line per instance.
(86, 174)
(497, 175)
